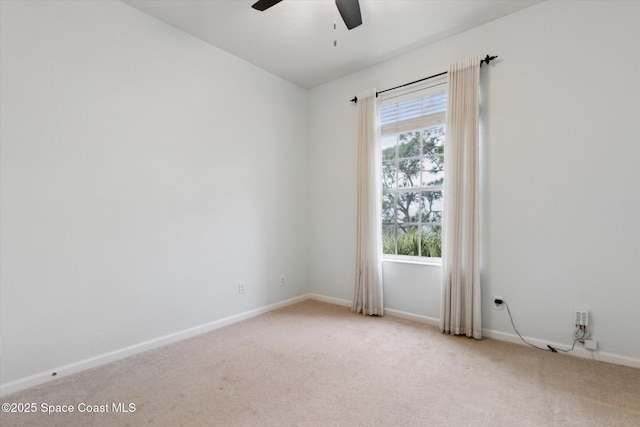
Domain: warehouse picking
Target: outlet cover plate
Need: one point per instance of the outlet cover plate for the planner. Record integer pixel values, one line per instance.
(581, 317)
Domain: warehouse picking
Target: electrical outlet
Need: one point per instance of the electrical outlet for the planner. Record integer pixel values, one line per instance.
(581, 317)
(282, 282)
(495, 305)
(241, 286)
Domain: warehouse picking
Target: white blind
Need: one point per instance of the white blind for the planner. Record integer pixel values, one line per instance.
(419, 112)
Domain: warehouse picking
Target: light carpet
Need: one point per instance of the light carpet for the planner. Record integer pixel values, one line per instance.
(317, 364)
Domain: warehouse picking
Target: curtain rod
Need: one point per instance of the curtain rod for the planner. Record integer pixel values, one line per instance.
(486, 60)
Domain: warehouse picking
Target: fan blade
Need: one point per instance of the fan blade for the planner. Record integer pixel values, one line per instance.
(263, 5)
(350, 12)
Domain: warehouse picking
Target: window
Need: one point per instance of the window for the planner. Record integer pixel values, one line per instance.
(413, 173)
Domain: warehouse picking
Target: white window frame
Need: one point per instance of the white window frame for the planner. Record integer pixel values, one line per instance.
(416, 118)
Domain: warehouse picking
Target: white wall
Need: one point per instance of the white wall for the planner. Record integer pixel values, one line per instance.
(561, 183)
(144, 175)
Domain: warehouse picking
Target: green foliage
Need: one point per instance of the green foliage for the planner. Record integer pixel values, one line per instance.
(429, 242)
(432, 242)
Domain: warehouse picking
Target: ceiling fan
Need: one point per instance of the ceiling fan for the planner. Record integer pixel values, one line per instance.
(349, 10)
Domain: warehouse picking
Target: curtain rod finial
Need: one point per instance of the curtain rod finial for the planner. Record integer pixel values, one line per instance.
(487, 59)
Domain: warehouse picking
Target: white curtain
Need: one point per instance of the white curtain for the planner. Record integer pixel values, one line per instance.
(460, 307)
(367, 292)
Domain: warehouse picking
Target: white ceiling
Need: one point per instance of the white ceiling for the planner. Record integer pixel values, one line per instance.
(294, 39)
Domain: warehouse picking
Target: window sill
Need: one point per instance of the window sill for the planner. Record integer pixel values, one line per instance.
(436, 262)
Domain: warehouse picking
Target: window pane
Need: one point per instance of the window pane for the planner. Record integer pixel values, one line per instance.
(388, 144)
(431, 207)
(409, 144)
(430, 178)
(388, 208)
(389, 175)
(408, 206)
(388, 238)
(408, 240)
(409, 173)
(433, 164)
(433, 141)
(431, 241)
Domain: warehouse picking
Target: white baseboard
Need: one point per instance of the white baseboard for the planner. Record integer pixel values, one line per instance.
(331, 300)
(414, 317)
(578, 351)
(388, 311)
(82, 365)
